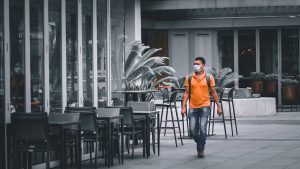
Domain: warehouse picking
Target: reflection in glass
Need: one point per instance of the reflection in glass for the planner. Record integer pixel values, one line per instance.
(225, 46)
(55, 54)
(268, 51)
(87, 12)
(247, 57)
(2, 113)
(117, 47)
(36, 53)
(102, 52)
(71, 37)
(290, 52)
(16, 21)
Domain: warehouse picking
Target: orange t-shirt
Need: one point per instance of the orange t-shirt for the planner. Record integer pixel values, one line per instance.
(199, 91)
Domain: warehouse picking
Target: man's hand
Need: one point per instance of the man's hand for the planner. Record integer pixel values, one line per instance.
(183, 111)
(219, 111)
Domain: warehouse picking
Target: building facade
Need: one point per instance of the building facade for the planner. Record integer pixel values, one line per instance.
(246, 36)
(58, 53)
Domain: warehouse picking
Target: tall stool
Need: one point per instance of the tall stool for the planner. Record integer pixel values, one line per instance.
(232, 117)
(171, 103)
(213, 119)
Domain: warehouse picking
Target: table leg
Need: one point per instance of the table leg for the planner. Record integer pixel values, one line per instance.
(158, 134)
(122, 141)
(62, 147)
(148, 136)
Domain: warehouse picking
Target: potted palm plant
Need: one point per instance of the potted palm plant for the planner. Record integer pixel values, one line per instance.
(289, 90)
(143, 71)
(257, 82)
(270, 85)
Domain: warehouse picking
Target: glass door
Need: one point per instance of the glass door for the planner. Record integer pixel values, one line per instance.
(17, 54)
(87, 51)
(2, 98)
(55, 65)
(37, 54)
(72, 53)
(102, 52)
(247, 56)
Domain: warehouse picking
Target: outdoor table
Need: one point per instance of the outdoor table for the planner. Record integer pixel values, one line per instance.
(147, 115)
(61, 125)
(109, 118)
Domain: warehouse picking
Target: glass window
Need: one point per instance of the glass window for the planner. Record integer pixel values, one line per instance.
(225, 46)
(247, 56)
(16, 21)
(36, 53)
(290, 52)
(117, 48)
(87, 51)
(102, 52)
(55, 54)
(71, 37)
(2, 112)
(268, 51)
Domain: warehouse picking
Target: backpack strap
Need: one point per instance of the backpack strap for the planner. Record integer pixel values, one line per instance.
(190, 81)
(208, 81)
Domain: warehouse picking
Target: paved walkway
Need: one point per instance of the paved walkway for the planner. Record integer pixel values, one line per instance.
(263, 143)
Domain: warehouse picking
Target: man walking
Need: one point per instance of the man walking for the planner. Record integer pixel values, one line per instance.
(197, 90)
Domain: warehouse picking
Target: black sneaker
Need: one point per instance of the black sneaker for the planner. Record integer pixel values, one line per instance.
(201, 153)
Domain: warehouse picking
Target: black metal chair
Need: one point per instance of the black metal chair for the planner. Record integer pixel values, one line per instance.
(170, 104)
(71, 134)
(213, 118)
(130, 129)
(231, 109)
(141, 121)
(30, 134)
(114, 134)
(89, 127)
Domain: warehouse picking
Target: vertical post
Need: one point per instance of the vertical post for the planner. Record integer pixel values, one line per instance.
(27, 57)
(95, 60)
(46, 58)
(236, 53)
(279, 33)
(63, 56)
(299, 54)
(6, 74)
(79, 52)
(108, 53)
(257, 51)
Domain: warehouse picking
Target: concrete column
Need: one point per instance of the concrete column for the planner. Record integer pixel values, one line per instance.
(132, 21)
(257, 49)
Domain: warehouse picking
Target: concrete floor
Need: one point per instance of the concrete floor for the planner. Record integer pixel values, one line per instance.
(271, 142)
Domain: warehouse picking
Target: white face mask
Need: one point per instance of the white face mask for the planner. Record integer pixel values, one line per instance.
(197, 68)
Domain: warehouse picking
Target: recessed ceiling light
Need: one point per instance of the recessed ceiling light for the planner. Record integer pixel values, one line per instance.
(292, 16)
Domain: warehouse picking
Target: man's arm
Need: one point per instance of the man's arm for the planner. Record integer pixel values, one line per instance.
(185, 98)
(215, 96)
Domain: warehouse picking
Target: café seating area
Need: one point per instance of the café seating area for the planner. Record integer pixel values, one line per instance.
(83, 135)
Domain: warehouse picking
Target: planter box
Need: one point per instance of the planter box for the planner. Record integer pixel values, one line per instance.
(250, 107)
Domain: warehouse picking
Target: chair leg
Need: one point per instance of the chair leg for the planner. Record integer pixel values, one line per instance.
(236, 129)
(213, 121)
(230, 118)
(223, 120)
(96, 152)
(153, 135)
(178, 123)
(173, 126)
(166, 120)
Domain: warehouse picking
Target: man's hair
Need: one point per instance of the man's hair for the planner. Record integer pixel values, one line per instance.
(201, 59)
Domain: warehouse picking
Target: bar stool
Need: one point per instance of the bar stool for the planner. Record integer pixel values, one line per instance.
(213, 119)
(171, 103)
(232, 117)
